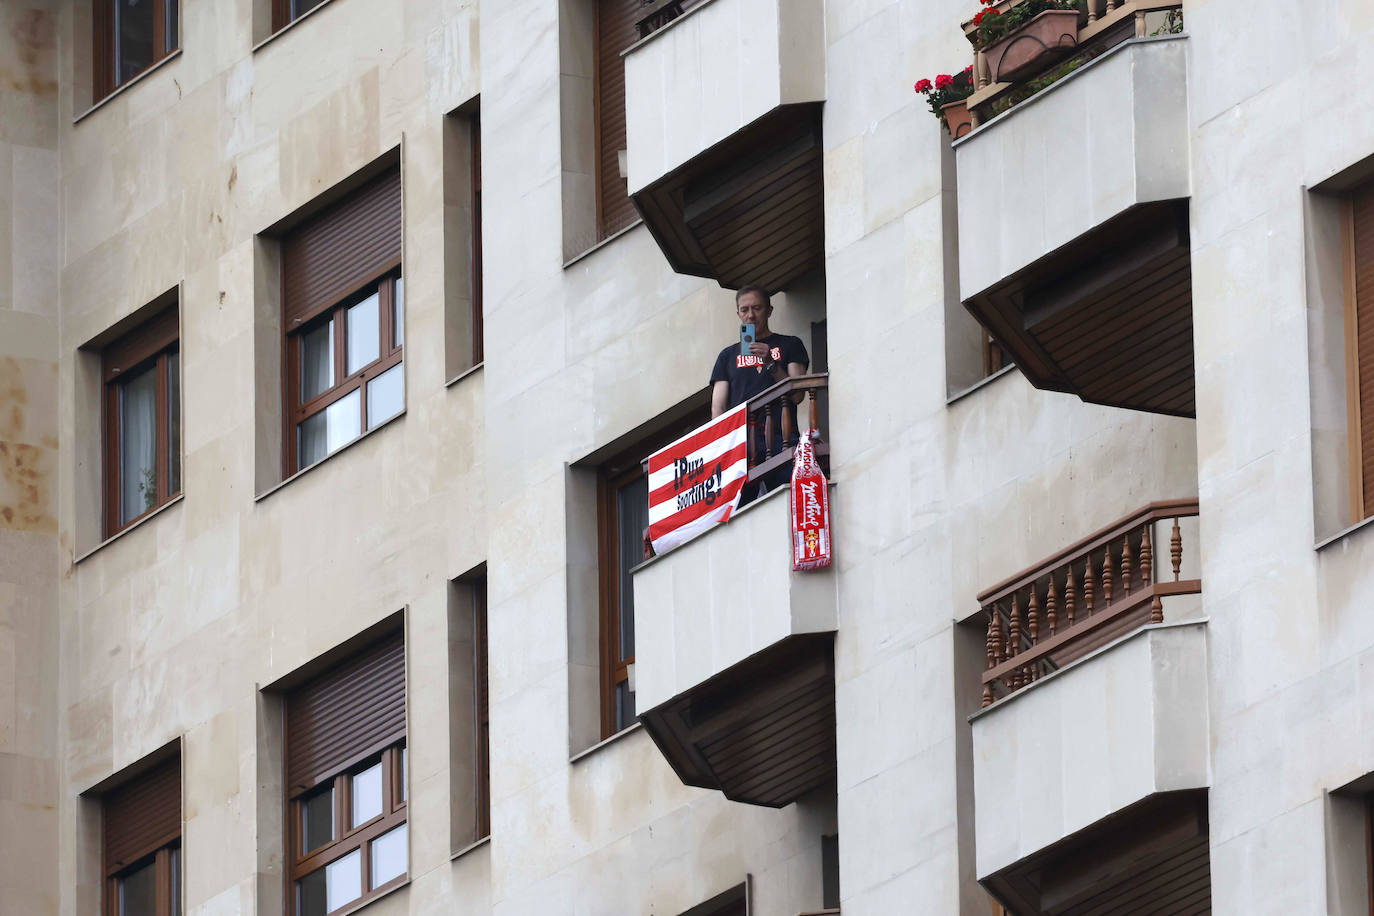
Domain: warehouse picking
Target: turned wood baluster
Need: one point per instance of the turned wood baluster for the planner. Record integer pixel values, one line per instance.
(1092, 11)
(813, 410)
(1126, 565)
(1147, 557)
(1156, 610)
(1112, 5)
(1014, 640)
(785, 417)
(1069, 590)
(1088, 577)
(1051, 606)
(1107, 577)
(1033, 628)
(993, 650)
(980, 69)
(767, 432)
(1176, 549)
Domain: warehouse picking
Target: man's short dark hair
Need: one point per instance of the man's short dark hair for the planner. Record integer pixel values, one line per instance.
(752, 288)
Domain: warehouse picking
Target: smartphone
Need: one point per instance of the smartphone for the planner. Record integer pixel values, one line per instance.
(746, 337)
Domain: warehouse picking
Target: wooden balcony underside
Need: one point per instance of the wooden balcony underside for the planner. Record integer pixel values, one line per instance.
(1151, 858)
(1107, 317)
(749, 209)
(762, 731)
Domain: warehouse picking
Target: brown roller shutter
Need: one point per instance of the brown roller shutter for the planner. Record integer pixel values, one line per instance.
(345, 246)
(1363, 270)
(356, 708)
(142, 816)
(615, 31)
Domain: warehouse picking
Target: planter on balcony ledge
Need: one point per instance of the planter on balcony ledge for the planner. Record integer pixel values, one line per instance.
(1032, 47)
(958, 121)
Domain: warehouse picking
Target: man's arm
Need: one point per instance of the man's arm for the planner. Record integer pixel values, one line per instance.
(720, 398)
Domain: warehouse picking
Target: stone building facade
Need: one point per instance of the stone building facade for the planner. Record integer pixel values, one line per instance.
(1177, 277)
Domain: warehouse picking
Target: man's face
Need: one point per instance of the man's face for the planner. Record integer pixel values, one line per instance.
(752, 310)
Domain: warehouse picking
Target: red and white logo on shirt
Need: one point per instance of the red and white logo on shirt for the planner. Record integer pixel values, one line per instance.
(744, 362)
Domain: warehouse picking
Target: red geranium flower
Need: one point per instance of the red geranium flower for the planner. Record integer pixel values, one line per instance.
(969, 68)
(943, 81)
(922, 86)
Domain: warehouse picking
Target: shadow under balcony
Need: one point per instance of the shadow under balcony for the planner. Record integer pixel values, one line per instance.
(734, 659)
(1091, 754)
(1073, 230)
(722, 115)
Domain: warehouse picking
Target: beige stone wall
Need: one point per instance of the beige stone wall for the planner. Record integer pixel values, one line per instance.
(30, 235)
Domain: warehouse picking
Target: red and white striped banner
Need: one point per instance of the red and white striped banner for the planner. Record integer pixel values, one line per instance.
(695, 482)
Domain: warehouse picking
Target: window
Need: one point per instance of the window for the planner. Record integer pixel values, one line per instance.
(141, 844)
(734, 902)
(347, 781)
(463, 240)
(1358, 264)
(285, 12)
(615, 31)
(130, 36)
(623, 524)
(141, 375)
(469, 722)
(344, 312)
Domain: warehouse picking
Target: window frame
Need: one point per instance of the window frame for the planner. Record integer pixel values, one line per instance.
(390, 355)
(157, 848)
(151, 345)
(475, 159)
(343, 842)
(104, 32)
(167, 889)
(482, 711)
(283, 13)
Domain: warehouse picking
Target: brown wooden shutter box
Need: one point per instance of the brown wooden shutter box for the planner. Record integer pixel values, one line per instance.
(1363, 269)
(615, 31)
(346, 714)
(142, 816)
(341, 249)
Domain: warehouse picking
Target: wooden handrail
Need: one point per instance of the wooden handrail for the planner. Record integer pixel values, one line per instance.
(1083, 596)
(763, 413)
(1156, 511)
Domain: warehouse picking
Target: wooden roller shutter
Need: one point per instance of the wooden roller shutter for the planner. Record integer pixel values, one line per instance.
(615, 31)
(1361, 274)
(142, 816)
(340, 249)
(351, 711)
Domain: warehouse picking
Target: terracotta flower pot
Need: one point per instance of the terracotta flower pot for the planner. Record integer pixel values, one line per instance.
(957, 119)
(1033, 46)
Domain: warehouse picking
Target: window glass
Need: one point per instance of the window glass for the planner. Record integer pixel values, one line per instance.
(172, 42)
(317, 360)
(624, 706)
(174, 421)
(133, 38)
(388, 855)
(632, 503)
(301, 7)
(317, 820)
(138, 892)
(367, 794)
(364, 328)
(176, 874)
(398, 331)
(343, 879)
(386, 395)
(310, 895)
(405, 776)
(326, 431)
(137, 445)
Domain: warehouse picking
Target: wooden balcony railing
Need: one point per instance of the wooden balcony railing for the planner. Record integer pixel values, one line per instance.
(1103, 24)
(1083, 597)
(661, 12)
(771, 430)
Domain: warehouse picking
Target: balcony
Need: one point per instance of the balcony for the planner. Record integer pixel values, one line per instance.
(722, 112)
(734, 661)
(1091, 755)
(1073, 219)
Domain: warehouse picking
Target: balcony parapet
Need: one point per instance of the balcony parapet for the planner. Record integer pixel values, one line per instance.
(1073, 225)
(1084, 596)
(722, 119)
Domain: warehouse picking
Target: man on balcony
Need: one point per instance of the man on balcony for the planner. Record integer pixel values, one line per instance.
(738, 377)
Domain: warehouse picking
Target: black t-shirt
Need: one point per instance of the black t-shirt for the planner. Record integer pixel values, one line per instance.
(746, 374)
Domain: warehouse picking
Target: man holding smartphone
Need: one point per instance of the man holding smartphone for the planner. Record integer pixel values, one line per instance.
(760, 360)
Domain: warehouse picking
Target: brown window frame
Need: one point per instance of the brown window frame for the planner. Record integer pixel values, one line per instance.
(159, 850)
(475, 156)
(105, 65)
(612, 476)
(390, 355)
(1357, 251)
(150, 345)
(394, 814)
